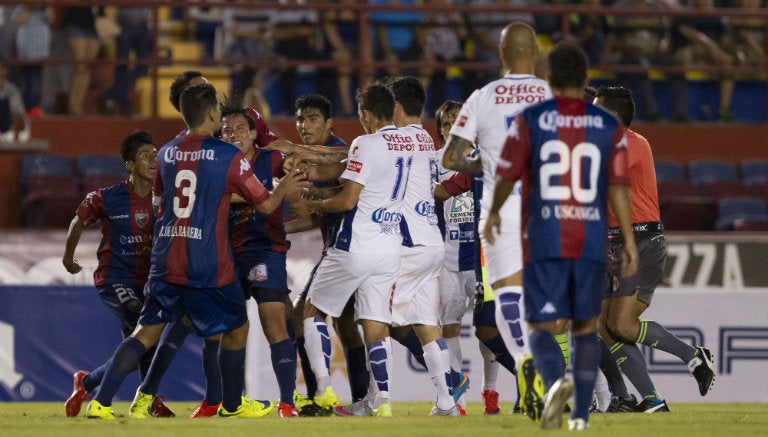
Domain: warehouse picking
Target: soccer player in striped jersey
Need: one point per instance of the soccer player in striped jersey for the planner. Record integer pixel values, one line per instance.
(127, 221)
(192, 272)
(571, 157)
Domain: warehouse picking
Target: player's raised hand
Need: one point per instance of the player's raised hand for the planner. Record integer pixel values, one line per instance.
(294, 181)
(493, 222)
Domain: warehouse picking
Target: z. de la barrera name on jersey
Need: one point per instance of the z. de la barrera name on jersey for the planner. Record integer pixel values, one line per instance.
(173, 154)
(519, 93)
(552, 120)
(181, 231)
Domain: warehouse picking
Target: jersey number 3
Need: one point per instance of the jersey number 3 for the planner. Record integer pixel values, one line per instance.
(573, 161)
(187, 194)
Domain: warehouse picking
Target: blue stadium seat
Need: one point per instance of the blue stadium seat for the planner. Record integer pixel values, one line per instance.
(703, 171)
(754, 171)
(89, 165)
(669, 171)
(739, 208)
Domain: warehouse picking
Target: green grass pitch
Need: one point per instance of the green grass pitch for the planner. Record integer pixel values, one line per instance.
(410, 419)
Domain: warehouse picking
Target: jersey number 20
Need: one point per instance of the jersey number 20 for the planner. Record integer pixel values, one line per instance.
(572, 160)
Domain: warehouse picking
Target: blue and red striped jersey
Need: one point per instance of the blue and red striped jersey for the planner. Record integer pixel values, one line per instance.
(195, 180)
(250, 230)
(127, 226)
(566, 152)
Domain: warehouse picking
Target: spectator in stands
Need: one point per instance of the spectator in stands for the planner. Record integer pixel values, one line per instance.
(643, 40)
(84, 45)
(703, 41)
(342, 41)
(245, 39)
(485, 29)
(588, 31)
(293, 39)
(12, 122)
(397, 37)
(445, 36)
(5, 49)
(207, 24)
(33, 43)
(749, 34)
(135, 37)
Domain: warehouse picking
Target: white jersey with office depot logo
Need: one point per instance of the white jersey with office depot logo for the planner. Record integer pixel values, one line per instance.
(488, 113)
(378, 162)
(419, 225)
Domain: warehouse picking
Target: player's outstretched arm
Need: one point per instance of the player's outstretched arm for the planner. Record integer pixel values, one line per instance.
(456, 157)
(618, 195)
(73, 237)
(288, 184)
(345, 200)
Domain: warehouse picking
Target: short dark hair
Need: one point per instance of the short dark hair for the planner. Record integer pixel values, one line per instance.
(316, 101)
(567, 66)
(178, 85)
(447, 107)
(378, 99)
(196, 102)
(619, 100)
(132, 143)
(230, 108)
(589, 93)
(410, 93)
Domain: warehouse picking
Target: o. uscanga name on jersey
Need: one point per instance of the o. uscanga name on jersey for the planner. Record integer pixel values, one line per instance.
(571, 212)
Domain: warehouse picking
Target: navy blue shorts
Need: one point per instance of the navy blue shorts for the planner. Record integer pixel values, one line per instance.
(486, 317)
(263, 275)
(126, 301)
(563, 289)
(211, 310)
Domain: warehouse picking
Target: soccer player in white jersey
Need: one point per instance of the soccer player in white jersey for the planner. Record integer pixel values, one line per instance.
(417, 298)
(485, 118)
(364, 258)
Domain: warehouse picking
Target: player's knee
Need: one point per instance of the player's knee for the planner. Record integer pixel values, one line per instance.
(623, 330)
(486, 333)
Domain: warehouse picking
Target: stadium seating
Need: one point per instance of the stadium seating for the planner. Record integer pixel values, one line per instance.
(48, 190)
(750, 225)
(722, 189)
(669, 171)
(671, 189)
(754, 171)
(729, 210)
(703, 171)
(97, 171)
(688, 213)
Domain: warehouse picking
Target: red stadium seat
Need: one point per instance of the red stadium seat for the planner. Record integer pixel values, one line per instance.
(689, 214)
(49, 201)
(721, 189)
(94, 182)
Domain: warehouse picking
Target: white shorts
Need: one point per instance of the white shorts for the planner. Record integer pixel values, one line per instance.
(504, 257)
(417, 300)
(371, 277)
(457, 290)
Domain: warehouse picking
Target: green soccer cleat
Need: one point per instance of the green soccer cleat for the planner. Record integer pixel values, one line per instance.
(385, 410)
(248, 408)
(140, 406)
(328, 399)
(532, 389)
(95, 410)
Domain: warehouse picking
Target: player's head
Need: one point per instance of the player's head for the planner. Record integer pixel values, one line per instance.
(567, 65)
(375, 102)
(139, 155)
(409, 94)
(314, 118)
(132, 143)
(200, 105)
(182, 81)
(518, 46)
(618, 100)
(445, 115)
(238, 128)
